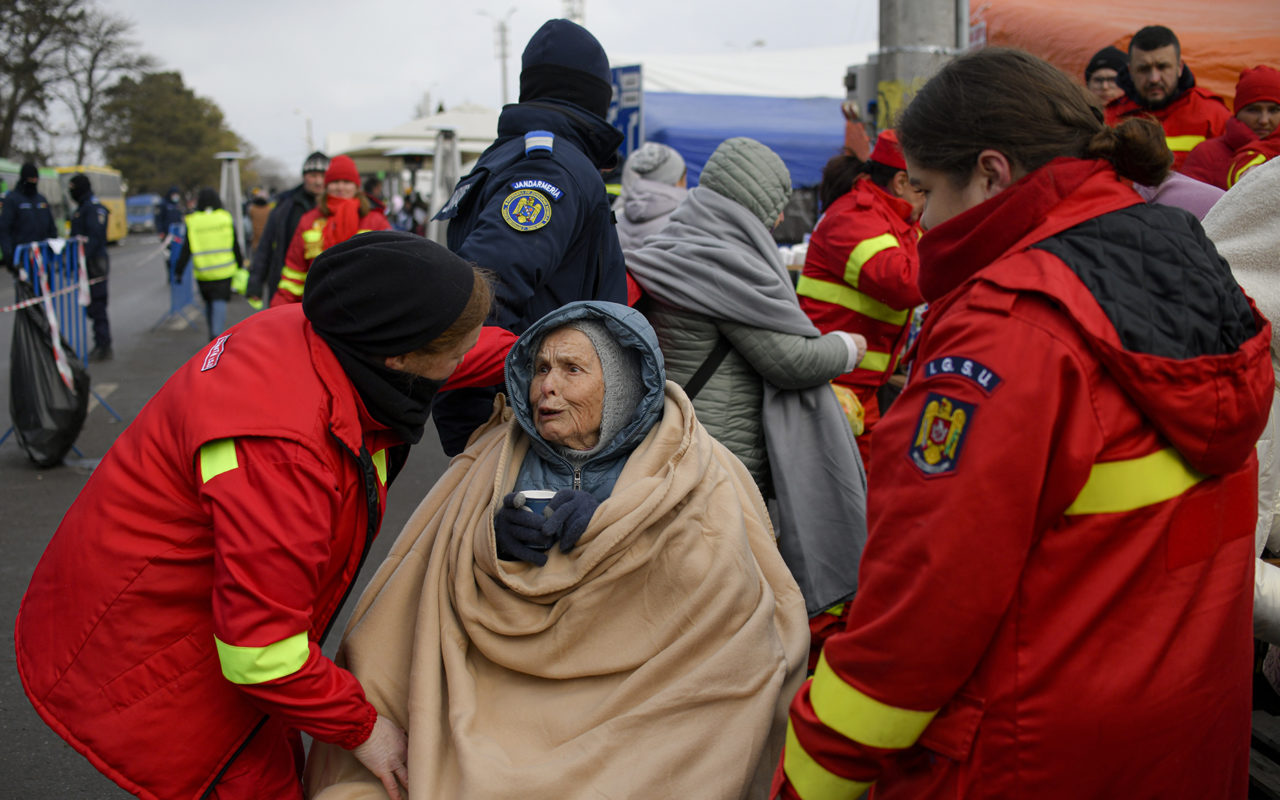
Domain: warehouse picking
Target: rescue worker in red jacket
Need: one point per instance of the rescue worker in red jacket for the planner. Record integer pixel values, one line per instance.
(1257, 117)
(172, 630)
(341, 212)
(1054, 600)
(1160, 84)
(860, 272)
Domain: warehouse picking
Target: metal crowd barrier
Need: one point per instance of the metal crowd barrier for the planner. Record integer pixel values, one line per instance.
(58, 274)
(181, 286)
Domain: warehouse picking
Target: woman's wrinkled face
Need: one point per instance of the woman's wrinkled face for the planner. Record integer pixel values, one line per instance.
(567, 391)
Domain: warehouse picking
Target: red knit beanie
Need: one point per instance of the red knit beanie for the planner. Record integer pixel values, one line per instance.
(887, 151)
(341, 168)
(1259, 83)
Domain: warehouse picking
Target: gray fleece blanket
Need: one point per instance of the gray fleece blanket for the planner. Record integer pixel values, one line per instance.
(717, 259)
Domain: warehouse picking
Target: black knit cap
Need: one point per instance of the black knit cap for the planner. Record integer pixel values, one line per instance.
(1107, 58)
(565, 62)
(28, 171)
(386, 293)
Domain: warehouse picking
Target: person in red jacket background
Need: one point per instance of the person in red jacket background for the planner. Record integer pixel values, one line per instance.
(172, 630)
(1160, 84)
(1257, 117)
(340, 213)
(1054, 600)
(860, 272)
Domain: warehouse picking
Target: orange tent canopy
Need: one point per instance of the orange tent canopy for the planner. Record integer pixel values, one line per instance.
(1219, 39)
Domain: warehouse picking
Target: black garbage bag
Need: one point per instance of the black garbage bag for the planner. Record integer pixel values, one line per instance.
(47, 414)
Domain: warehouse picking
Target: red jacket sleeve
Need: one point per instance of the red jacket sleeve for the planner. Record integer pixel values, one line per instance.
(294, 259)
(273, 527)
(483, 364)
(943, 561)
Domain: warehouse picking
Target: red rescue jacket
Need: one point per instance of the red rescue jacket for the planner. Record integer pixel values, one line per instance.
(1253, 154)
(167, 548)
(860, 276)
(1055, 598)
(1196, 115)
(306, 244)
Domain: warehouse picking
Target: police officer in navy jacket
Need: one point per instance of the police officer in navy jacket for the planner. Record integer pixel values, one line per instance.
(535, 210)
(26, 216)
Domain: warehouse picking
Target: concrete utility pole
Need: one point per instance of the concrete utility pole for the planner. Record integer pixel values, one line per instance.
(916, 39)
(500, 44)
(229, 191)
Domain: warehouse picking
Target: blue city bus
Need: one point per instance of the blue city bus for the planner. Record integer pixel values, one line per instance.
(140, 211)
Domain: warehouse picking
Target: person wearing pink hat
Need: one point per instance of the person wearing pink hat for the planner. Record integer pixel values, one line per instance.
(1256, 117)
(342, 212)
(860, 271)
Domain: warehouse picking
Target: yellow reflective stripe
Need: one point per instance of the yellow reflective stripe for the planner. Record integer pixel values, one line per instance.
(311, 235)
(293, 274)
(835, 610)
(1238, 173)
(216, 458)
(249, 665)
(1182, 144)
(291, 287)
(875, 360)
(380, 464)
(811, 780)
(864, 252)
(1116, 486)
(861, 718)
(850, 298)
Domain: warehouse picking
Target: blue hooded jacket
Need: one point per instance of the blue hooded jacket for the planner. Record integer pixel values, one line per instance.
(544, 467)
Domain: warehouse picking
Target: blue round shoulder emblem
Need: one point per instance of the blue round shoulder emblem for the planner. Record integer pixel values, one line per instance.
(526, 209)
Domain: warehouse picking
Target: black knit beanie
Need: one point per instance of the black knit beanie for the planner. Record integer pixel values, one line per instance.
(564, 61)
(386, 293)
(1108, 57)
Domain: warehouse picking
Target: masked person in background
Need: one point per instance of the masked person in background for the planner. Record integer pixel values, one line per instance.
(90, 221)
(25, 217)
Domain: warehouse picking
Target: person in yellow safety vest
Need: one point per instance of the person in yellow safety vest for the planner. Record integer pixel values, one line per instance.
(212, 248)
(342, 212)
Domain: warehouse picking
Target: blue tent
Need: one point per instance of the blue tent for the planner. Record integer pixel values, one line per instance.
(805, 132)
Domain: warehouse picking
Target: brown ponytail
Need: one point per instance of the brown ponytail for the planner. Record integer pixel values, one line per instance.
(1137, 149)
(1013, 102)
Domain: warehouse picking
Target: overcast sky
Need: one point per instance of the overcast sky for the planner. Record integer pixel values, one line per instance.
(364, 65)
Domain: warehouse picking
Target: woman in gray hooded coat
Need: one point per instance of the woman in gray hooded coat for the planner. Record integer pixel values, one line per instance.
(733, 334)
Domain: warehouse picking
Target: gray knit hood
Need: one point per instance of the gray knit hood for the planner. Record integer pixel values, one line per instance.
(750, 174)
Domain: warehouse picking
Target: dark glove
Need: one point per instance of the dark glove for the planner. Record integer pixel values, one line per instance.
(519, 532)
(571, 511)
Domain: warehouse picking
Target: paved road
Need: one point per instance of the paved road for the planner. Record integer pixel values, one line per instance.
(37, 763)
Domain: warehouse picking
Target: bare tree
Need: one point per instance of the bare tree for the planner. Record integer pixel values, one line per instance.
(32, 33)
(94, 55)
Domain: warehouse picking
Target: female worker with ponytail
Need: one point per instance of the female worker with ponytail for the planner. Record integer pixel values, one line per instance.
(1054, 599)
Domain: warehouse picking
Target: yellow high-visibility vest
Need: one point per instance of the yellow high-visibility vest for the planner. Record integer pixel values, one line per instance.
(211, 236)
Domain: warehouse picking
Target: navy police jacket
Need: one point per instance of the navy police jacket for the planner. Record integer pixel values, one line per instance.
(535, 212)
(90, 221)
(24, 218)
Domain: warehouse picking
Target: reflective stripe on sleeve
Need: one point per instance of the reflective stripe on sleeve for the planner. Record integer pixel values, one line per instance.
(810, 779)
(217, 457)
(861, 718)
(292, 287)
(1182, 144)
(1116, 486)
(250, 665)
(864, 252)
(293, 274)
(850, 298)
(1237, 173)
(874, 360)
(380, 464)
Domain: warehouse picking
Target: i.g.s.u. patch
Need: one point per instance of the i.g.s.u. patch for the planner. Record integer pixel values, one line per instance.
(215, 353)
(526, 210)
(940, 434)
(977, 373)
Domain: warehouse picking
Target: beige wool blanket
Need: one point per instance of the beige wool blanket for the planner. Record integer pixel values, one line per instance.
(656, 659)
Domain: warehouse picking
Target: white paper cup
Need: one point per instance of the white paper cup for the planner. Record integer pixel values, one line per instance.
(536, 499)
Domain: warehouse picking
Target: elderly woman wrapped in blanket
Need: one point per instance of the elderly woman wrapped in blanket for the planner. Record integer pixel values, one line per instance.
(641, 638)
